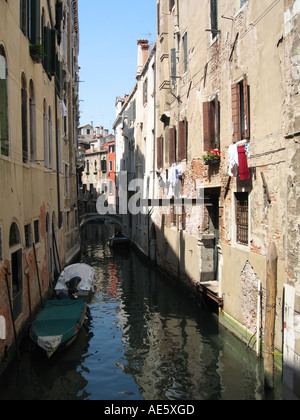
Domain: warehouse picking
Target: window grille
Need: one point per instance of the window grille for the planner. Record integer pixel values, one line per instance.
(242, 212)
(28, 236)
(36, 231)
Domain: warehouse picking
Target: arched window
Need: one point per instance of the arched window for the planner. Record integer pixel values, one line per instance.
(24, 121)
(14, 235)
(32, 121)
(50, 139)
(45, 132)
(3, 104)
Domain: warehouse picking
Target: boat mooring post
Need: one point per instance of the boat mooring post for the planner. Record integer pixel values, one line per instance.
(12, 313)
(272, 259)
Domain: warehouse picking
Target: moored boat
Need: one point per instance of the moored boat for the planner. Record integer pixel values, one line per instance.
(77, 280)
(119, 240)
(58, 325)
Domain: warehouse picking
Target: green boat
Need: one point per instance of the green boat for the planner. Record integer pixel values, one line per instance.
(58, 325)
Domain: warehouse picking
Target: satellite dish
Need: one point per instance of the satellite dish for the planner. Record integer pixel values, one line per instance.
(2, 328)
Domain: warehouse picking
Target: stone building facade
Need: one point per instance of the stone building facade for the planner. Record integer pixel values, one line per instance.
(227, 102)
(39, 234)
(226, 151)
(135, 141)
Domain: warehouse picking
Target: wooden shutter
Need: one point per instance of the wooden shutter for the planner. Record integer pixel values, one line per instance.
(159, 152)
(172, 145)
(3, 114)
(217, 122)
(58, 77)
(246, 115)
(208, 126)
(49, 46)
(35, 26)
(236, 117)
(182, 139)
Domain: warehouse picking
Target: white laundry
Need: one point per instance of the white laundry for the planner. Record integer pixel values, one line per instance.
(233, 159)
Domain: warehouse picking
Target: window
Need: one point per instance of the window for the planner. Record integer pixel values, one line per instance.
(110, 165)
(214, 18)
(185, 53)
(182, 139)
(30, 19)
(240, 110)
(45, 130)
(28, 236)
(67, 181)
(34, 11)
(243, 2)
(36, 231)
(171, 4)
(145, 92)
(172, 145)
(3, 105)
(49, 59)
(68, 221)
(24, 13)
(160, 152)
(32, 122)
(103, 165)
(50, 139)
(24, 119)
(110, 187)
(16, 269)
(211, 124)
(242, 219)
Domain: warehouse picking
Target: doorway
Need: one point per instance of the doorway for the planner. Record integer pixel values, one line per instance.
(15, 246)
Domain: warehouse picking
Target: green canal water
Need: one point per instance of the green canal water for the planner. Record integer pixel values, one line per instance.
(147, 341)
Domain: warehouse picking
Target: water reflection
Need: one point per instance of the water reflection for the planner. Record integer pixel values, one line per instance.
(147, 340)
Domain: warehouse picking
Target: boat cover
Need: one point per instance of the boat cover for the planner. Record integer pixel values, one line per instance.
(59, 318)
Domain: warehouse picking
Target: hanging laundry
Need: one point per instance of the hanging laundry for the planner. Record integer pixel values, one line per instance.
(233, 160)
(247, 149)
(243, 164)
(63, 109)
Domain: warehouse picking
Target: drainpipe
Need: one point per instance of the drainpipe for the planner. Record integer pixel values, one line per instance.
(57, 157)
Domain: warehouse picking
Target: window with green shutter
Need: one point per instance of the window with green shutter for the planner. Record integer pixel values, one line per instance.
(49, 48)
(34, 28)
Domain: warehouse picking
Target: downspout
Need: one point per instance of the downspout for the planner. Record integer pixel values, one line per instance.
(56, 124)
(57, 158)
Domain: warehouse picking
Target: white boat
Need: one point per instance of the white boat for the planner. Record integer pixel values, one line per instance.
(76, 280)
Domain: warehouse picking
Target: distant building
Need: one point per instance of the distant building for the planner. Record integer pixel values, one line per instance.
(134, 135)
(98, 174)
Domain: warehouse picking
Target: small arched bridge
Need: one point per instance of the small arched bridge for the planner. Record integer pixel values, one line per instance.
(88, 217)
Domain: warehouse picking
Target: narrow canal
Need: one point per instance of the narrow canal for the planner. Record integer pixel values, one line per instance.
(146, 340)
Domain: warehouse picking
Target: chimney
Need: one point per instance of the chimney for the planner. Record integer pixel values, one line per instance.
(143, 53)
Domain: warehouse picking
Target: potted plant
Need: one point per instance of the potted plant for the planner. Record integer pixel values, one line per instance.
(37, 52)
(212, 156)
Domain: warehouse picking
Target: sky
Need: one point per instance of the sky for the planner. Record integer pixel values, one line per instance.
(108, 34)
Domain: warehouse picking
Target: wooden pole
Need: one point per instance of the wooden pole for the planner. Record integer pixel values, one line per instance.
(12, 314)
(38, 275)
(271, 291)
